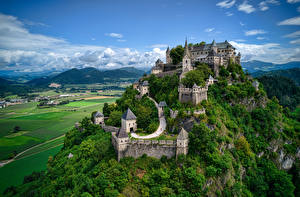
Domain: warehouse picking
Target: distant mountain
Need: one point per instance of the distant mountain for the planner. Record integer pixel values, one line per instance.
(90, 75)
(4, 81)
(254, 66)
(293, 74)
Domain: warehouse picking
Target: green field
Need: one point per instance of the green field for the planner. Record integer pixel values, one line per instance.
(13, 173)
(39, 125)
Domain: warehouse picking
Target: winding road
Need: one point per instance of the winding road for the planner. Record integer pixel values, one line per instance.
(162, 125)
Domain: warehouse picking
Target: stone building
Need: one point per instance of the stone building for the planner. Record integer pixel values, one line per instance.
(142, 87)
(195, 95)
(98, 118)
(128, 121)
(182, 143)
(126, 147)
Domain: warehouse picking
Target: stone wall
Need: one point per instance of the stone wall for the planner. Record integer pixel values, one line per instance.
(151, 148)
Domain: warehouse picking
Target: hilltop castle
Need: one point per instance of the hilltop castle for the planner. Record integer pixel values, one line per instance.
(214, 54)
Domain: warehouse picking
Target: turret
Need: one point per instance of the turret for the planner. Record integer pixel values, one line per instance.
(98, 118)
(121, 142)
(186, 61)
(168, 56)
(128, 121)
(182, 142)
(214, 46)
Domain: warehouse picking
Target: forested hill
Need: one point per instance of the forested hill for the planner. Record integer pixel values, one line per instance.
(255, 66)
(90, 75)
(293, 74)
(244, 145)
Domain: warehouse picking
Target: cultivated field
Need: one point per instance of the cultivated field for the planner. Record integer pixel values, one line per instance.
(41, 134)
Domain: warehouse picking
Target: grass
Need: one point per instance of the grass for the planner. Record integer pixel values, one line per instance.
(42, 124)
(13, 173)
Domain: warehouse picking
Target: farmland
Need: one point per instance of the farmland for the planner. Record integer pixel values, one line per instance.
(38, 125)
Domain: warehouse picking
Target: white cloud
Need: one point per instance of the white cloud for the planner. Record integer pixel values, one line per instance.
(297, 41)
(290, 21)
(22, 50)
(264, 5)
(254, 32)
(121, 40)
(226, 4)
(229, 13)
(293, 35)
(245, 7)
(114, 35)
(293, 1)
(159, 46)
(269, 52)
(242, 24)
(240, 40)
(209, 29)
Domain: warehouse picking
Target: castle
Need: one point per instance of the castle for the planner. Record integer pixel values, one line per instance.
(214, 54)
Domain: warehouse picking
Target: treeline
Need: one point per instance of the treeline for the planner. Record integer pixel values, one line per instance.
(285, 89)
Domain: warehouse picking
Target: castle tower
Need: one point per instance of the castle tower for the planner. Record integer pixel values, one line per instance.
(144, 88)
(214, 46)
(186, 61)
(98, 118)
(168, 57)
(199, 94)
(121, 142)
(128, 121)
(182, 142)
(238, 58)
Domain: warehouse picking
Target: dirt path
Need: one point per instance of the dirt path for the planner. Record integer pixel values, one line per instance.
(4, 162)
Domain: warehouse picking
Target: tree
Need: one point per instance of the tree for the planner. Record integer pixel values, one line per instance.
(106, 110)
(177, 54)
(17, 129)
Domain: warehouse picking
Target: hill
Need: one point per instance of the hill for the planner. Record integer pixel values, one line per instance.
(90, 75)
(255, 65)
(293, 74)
(244, 145)
(4, 82)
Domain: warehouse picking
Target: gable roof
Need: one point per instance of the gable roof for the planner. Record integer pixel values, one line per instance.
(183, 135)
(122, 133)
(129, 115)
(98, 114)
(145, 83)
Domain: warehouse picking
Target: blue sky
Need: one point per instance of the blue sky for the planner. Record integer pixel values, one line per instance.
(55, 35)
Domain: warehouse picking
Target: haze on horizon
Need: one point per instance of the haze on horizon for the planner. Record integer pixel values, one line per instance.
(37, 36)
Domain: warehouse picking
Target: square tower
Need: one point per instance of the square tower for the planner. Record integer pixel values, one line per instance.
(128, 121)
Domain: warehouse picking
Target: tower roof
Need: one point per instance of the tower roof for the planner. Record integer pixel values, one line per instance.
(122, 133)
(168, 49)
(145, 83)
(195, 86)
(162, 104)
(129, 115)
(183, 135)
(210, 77)
(213, 44)
(98, 114)
(186, 49)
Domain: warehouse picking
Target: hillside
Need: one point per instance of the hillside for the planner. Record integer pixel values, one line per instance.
(244, 145)
(255, 66)
(293, 74)
(90, 75)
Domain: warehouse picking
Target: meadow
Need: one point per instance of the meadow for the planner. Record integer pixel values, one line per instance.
(38, 125)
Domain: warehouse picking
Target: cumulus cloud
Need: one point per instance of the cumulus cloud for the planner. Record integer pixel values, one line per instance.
(269, 52)
(209, 29)
(291, 21)
(264, 5)
(21, 50)
(114, 35)
(245, 7)
(159, 46)
(293, 35)
(226, 4)
(260, 38)
(254, 32)
(293, 1)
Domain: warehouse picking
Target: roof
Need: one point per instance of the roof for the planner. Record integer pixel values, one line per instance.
(195, 86)
(162, 104)
(159, 61)
(186, 50)
(220, 45)
(145, 83)
(213, 53)
(183, 135)
(214, 43)
(210, 77)
(98, 114)
(129, 115)
(122, 133)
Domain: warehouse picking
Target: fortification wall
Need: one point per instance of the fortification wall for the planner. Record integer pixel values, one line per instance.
(151, 148)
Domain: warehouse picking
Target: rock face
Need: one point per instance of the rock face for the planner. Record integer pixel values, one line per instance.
(285, 161)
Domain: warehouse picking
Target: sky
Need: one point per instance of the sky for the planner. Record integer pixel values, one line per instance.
(37, 35)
